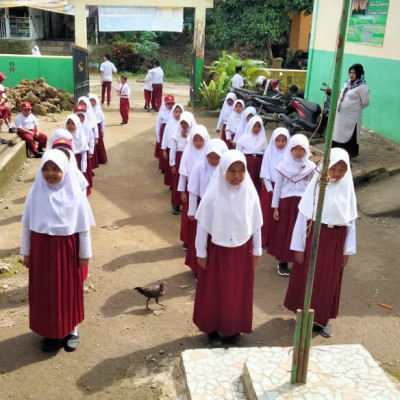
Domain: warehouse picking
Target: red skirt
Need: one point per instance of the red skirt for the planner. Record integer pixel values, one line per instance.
(254, 168)
(101, 149)
(162, 164)
(55, 285)
(281, 231)
(168, 173)
(176, 196)
(224, 292)
(95, 158)
(191, 256)
(327, 279)
(223, 135)
(78, 157)
(185, 221)
(267, 213)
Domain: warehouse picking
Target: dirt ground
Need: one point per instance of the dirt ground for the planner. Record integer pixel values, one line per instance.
(127, 352)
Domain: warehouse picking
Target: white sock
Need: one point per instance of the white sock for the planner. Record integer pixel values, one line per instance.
(74, 331)
(10, 125)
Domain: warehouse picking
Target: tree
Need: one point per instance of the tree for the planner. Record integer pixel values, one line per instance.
(258, 23)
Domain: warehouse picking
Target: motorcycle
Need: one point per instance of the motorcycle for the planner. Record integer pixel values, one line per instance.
(308, 116)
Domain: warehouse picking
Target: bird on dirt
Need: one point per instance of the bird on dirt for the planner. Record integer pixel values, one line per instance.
(153, 292)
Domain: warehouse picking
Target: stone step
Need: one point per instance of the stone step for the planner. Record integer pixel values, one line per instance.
(334, 372)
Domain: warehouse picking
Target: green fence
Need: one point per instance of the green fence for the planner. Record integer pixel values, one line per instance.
(58, 71)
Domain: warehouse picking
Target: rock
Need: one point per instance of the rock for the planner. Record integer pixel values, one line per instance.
(39, 109)
(31, 98)
(4, 269)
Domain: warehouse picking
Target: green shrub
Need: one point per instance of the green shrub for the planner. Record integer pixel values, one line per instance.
(213, 93)
(125, 56)
(173, 70)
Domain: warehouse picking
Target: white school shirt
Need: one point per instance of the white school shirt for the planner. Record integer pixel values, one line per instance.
(29, 122)
(286, 188)
(157, 75)
(176, 146)
(299, 235)
(202, 239)
(162, 118)
(124, 90)
(3, 91)
(107, 68)
(148, 82)
(237, 81)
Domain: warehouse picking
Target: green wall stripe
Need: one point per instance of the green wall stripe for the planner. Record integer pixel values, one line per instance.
(198, 77)
(383, 113)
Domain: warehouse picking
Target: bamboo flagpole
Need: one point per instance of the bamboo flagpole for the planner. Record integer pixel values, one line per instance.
(303, 332)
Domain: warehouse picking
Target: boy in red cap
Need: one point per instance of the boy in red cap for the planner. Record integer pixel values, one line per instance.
(27, 128)
(5, 113)
(162, 119)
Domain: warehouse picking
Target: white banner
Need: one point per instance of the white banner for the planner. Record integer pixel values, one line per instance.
(119, 19)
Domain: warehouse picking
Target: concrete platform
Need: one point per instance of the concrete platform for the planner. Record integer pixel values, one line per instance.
(338, 372)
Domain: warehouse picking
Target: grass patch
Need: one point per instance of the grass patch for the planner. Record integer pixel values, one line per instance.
(393, 371)
(11, 265)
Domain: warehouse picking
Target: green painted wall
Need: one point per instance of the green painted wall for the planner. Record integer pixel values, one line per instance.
(383, 79)
(198, 77)
(58, 71)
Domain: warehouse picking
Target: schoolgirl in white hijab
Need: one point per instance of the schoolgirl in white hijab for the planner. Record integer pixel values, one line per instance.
(230, 214)
(79, 142)
(202, 173)
(272, 157)
(58, 209)
(98, 112)
(251, 143)
(90, 117)
(247, 114)
(171, 127)
(180, 137)
(234, 120)
(191, 155)
(337, 241)
(74, 170)
(226, 111)
(88, 130)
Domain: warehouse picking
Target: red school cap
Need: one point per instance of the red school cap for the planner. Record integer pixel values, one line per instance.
(62, 142)
(80, 108)
(169, 99)
(2, 77)
(26, 104)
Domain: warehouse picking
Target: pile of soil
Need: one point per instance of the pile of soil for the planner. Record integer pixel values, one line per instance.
(43, 97)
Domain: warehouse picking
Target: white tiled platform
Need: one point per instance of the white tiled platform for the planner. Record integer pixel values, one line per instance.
(339, 372)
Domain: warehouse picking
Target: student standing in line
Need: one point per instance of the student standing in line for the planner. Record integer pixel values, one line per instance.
(233, 123)
(247, 114)
(107, 69)
(228, 245)
(294, 173)
(337, 241)
(56, 244)
(225, 113)
(101, 127)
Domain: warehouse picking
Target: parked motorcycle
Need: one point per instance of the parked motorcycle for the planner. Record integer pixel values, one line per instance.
(308, 116)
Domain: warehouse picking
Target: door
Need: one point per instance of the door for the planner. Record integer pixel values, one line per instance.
(81, 72)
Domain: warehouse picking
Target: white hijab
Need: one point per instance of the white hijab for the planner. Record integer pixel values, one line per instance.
(226, 108)
(164, 114)
(273, 156)
(251, 142)
(79, 141)
(202, 171)
(340, 204)
(64, 134)
(98, 112)
(235, 118)
(247, 111)
(181, 141)
(90, 117)
(292, 169)
(191, 154)
(230, 214)
(57, 210)
(172, 126)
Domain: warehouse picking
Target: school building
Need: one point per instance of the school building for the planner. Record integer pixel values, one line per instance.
(372, 40)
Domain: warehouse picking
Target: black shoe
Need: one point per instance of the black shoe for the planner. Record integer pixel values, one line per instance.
(283, 269)
(12, 130)
(48, 344)
(214, 339)
(71, 343)
(170, 190)
(185, 246)
(236, 339)
(38, 154)
(108, 104)
(175, 210)
(40, 149)
(146, 107)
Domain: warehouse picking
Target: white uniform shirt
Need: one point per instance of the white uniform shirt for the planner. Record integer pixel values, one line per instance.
(29, 122)
(237, 81)
(157, 75)
(107, 68)
(124, 90)
(148, 82)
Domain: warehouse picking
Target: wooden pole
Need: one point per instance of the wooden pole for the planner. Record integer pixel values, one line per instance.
(296, 345)
(306, 327)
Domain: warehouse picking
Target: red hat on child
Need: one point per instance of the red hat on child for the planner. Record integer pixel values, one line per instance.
(25, 104)
(80, 108)
(169, 99)
(2, 76)
(62, 142)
